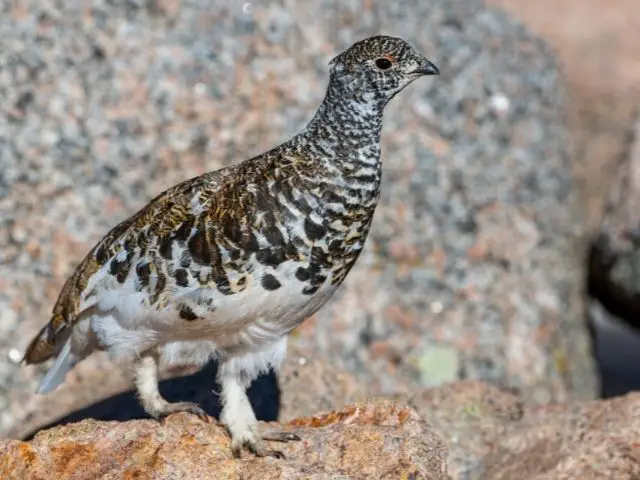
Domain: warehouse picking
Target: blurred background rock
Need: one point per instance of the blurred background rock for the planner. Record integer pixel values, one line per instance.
(496, 175)
(600, 57)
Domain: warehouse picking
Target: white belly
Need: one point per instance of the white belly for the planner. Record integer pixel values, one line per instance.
(234, 324)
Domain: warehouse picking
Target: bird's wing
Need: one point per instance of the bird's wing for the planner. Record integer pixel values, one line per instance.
(226, 211)
(158, 219)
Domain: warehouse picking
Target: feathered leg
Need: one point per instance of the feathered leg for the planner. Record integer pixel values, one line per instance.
(234, 376)
(146, 379)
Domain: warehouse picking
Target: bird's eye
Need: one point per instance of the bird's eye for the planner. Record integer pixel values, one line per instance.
(383, 63)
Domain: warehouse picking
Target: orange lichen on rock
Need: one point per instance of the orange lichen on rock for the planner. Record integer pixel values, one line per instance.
(381, 412)
(373, 440)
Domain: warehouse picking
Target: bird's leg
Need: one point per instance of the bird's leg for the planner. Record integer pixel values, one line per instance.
(238, 417)
(277, 354)
(146, 378)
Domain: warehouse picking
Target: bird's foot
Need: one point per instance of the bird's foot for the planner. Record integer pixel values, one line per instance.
(189, 407)
(256, 444)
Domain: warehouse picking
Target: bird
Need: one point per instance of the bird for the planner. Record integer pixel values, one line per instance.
(223, 266)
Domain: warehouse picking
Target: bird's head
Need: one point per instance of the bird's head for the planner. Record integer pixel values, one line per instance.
(378, 67)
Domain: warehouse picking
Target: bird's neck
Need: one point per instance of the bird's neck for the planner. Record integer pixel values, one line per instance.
(346, 129)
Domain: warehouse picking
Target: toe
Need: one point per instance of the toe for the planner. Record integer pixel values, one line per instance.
(281, 437)
(259, 450)
(197, 410)
(236, 450)
(275, 454)
(189, 407)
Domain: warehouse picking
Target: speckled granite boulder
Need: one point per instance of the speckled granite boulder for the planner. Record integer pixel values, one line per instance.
(493, 435)
(473, 268)
(462, 431)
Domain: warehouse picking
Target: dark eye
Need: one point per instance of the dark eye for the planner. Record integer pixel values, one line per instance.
(383, 63)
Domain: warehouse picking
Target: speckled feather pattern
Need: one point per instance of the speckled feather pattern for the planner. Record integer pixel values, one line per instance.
(289, 224)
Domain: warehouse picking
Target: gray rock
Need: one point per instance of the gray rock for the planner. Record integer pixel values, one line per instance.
(475, 245)
(614, 276)
(615, 253)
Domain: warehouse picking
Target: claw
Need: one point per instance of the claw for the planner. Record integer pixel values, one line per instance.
(281, 437)
(260, 451)
(276, 454)
(256, 447)
(236, 451)
(196, 410)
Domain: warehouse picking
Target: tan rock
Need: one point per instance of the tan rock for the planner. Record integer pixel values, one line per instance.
(484, 434)
(597, 44)
(615, 252)
(376, 440)
(471, 416)
(492, 435)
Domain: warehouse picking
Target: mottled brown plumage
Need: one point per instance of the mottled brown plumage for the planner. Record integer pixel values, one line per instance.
(226, 264)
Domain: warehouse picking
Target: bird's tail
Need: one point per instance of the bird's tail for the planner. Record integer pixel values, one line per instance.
(52, 342)
(48, 342)
(65, 361)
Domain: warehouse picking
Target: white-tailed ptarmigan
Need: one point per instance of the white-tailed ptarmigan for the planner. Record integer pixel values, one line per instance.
(226, 264)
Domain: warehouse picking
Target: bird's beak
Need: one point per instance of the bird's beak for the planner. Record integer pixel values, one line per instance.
(427, 68)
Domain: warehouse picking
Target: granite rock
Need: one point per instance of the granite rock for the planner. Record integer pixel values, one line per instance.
(492, 434)
(614, 275)
(475, 248)
(373, 440)
(468, 430)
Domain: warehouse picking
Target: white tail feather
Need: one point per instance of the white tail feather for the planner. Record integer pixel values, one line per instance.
(58, 371)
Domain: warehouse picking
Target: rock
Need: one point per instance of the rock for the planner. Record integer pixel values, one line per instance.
(614, 270)
(589, 441)
(373, 440)
(79, 400)
(483, 433)
(494, 435)
(312, 384)
(600, 107)
(614, 275)
(471, 416)
(474, 249)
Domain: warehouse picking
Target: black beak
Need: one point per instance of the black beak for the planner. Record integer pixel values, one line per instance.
(428, 68)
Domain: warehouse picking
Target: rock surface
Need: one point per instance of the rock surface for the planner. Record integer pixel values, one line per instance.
(591, 38)
(494, 435)
(615, 255)
(614, 274)
(375, 440)
(473, 268)
(595, 440)
(483, 433)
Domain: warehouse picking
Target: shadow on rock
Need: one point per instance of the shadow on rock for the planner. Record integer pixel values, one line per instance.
(199, 387)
